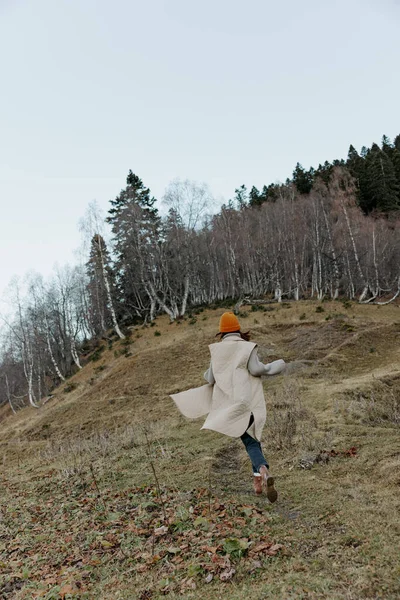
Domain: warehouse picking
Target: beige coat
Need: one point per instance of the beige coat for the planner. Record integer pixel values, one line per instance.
(235, 395)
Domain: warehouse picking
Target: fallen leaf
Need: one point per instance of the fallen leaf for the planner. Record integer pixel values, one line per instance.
(274, 549)
(261, 547)
(66, 589)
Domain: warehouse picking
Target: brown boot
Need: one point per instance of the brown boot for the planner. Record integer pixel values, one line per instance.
(257, 483)
(268, 483)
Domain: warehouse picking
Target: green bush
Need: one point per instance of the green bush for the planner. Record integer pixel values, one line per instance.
(70, 387)
(97, 353)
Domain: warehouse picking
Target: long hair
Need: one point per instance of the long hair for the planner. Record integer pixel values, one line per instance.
(245, 335)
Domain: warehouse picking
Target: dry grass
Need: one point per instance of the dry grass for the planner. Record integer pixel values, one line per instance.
(379, 405)
(289, 422)
(337, 521)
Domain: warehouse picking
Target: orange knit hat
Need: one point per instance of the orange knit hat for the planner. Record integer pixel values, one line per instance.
(228, 323)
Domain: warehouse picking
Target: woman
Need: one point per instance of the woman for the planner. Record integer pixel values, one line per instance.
(234, 399)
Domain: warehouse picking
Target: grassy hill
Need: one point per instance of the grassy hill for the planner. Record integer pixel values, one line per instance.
(108, 492)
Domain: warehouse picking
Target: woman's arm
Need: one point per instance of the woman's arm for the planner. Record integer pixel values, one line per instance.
(257, 368)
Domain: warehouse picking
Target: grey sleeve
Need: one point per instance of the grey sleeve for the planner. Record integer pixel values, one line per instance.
(209, 375)
(257, 368)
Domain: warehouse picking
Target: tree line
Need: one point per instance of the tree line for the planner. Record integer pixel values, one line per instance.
(376, 171)
(314, 244)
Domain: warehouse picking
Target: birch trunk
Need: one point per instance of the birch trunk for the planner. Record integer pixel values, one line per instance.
(53, 360)
(153, 295)
(28, 370)
(74, 352)
(360, 273)
(9, 396)
(394, 297)
(377, 286)
(335, 294)
(185, 296)
(108, 290)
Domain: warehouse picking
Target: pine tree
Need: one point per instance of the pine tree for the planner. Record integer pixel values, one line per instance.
(241, 196)
(324, 172)
(264, 195)
(303, 179)
(254, 197)
(136, 227)
(387, 146)
(339, 163)
(271, 192)
(396, 164)
(356, 165)
(134, 192)
(396, 142)
(381, 182)
(99, 316)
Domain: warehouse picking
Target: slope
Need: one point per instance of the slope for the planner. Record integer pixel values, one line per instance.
(109, 493)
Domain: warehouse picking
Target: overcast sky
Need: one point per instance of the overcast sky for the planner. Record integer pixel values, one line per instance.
(221, 91)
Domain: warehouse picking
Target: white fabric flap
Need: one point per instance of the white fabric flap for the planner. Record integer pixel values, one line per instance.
(194, 403)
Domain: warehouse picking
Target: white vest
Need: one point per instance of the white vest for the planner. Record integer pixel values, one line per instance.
(235, 395)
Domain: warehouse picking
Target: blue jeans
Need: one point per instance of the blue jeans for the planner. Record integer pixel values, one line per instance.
(253, 449)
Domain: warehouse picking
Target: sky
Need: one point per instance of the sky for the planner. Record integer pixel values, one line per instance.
(219, 91)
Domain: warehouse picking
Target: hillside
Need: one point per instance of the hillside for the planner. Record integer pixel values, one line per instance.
(81, 513)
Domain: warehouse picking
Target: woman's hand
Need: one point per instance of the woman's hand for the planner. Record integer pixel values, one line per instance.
(276, 367)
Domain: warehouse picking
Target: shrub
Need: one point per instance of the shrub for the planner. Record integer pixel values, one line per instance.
(157, 333)
(70, 387)
(97, 353)
(319, 309)
(256, 307)
(268, 308)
